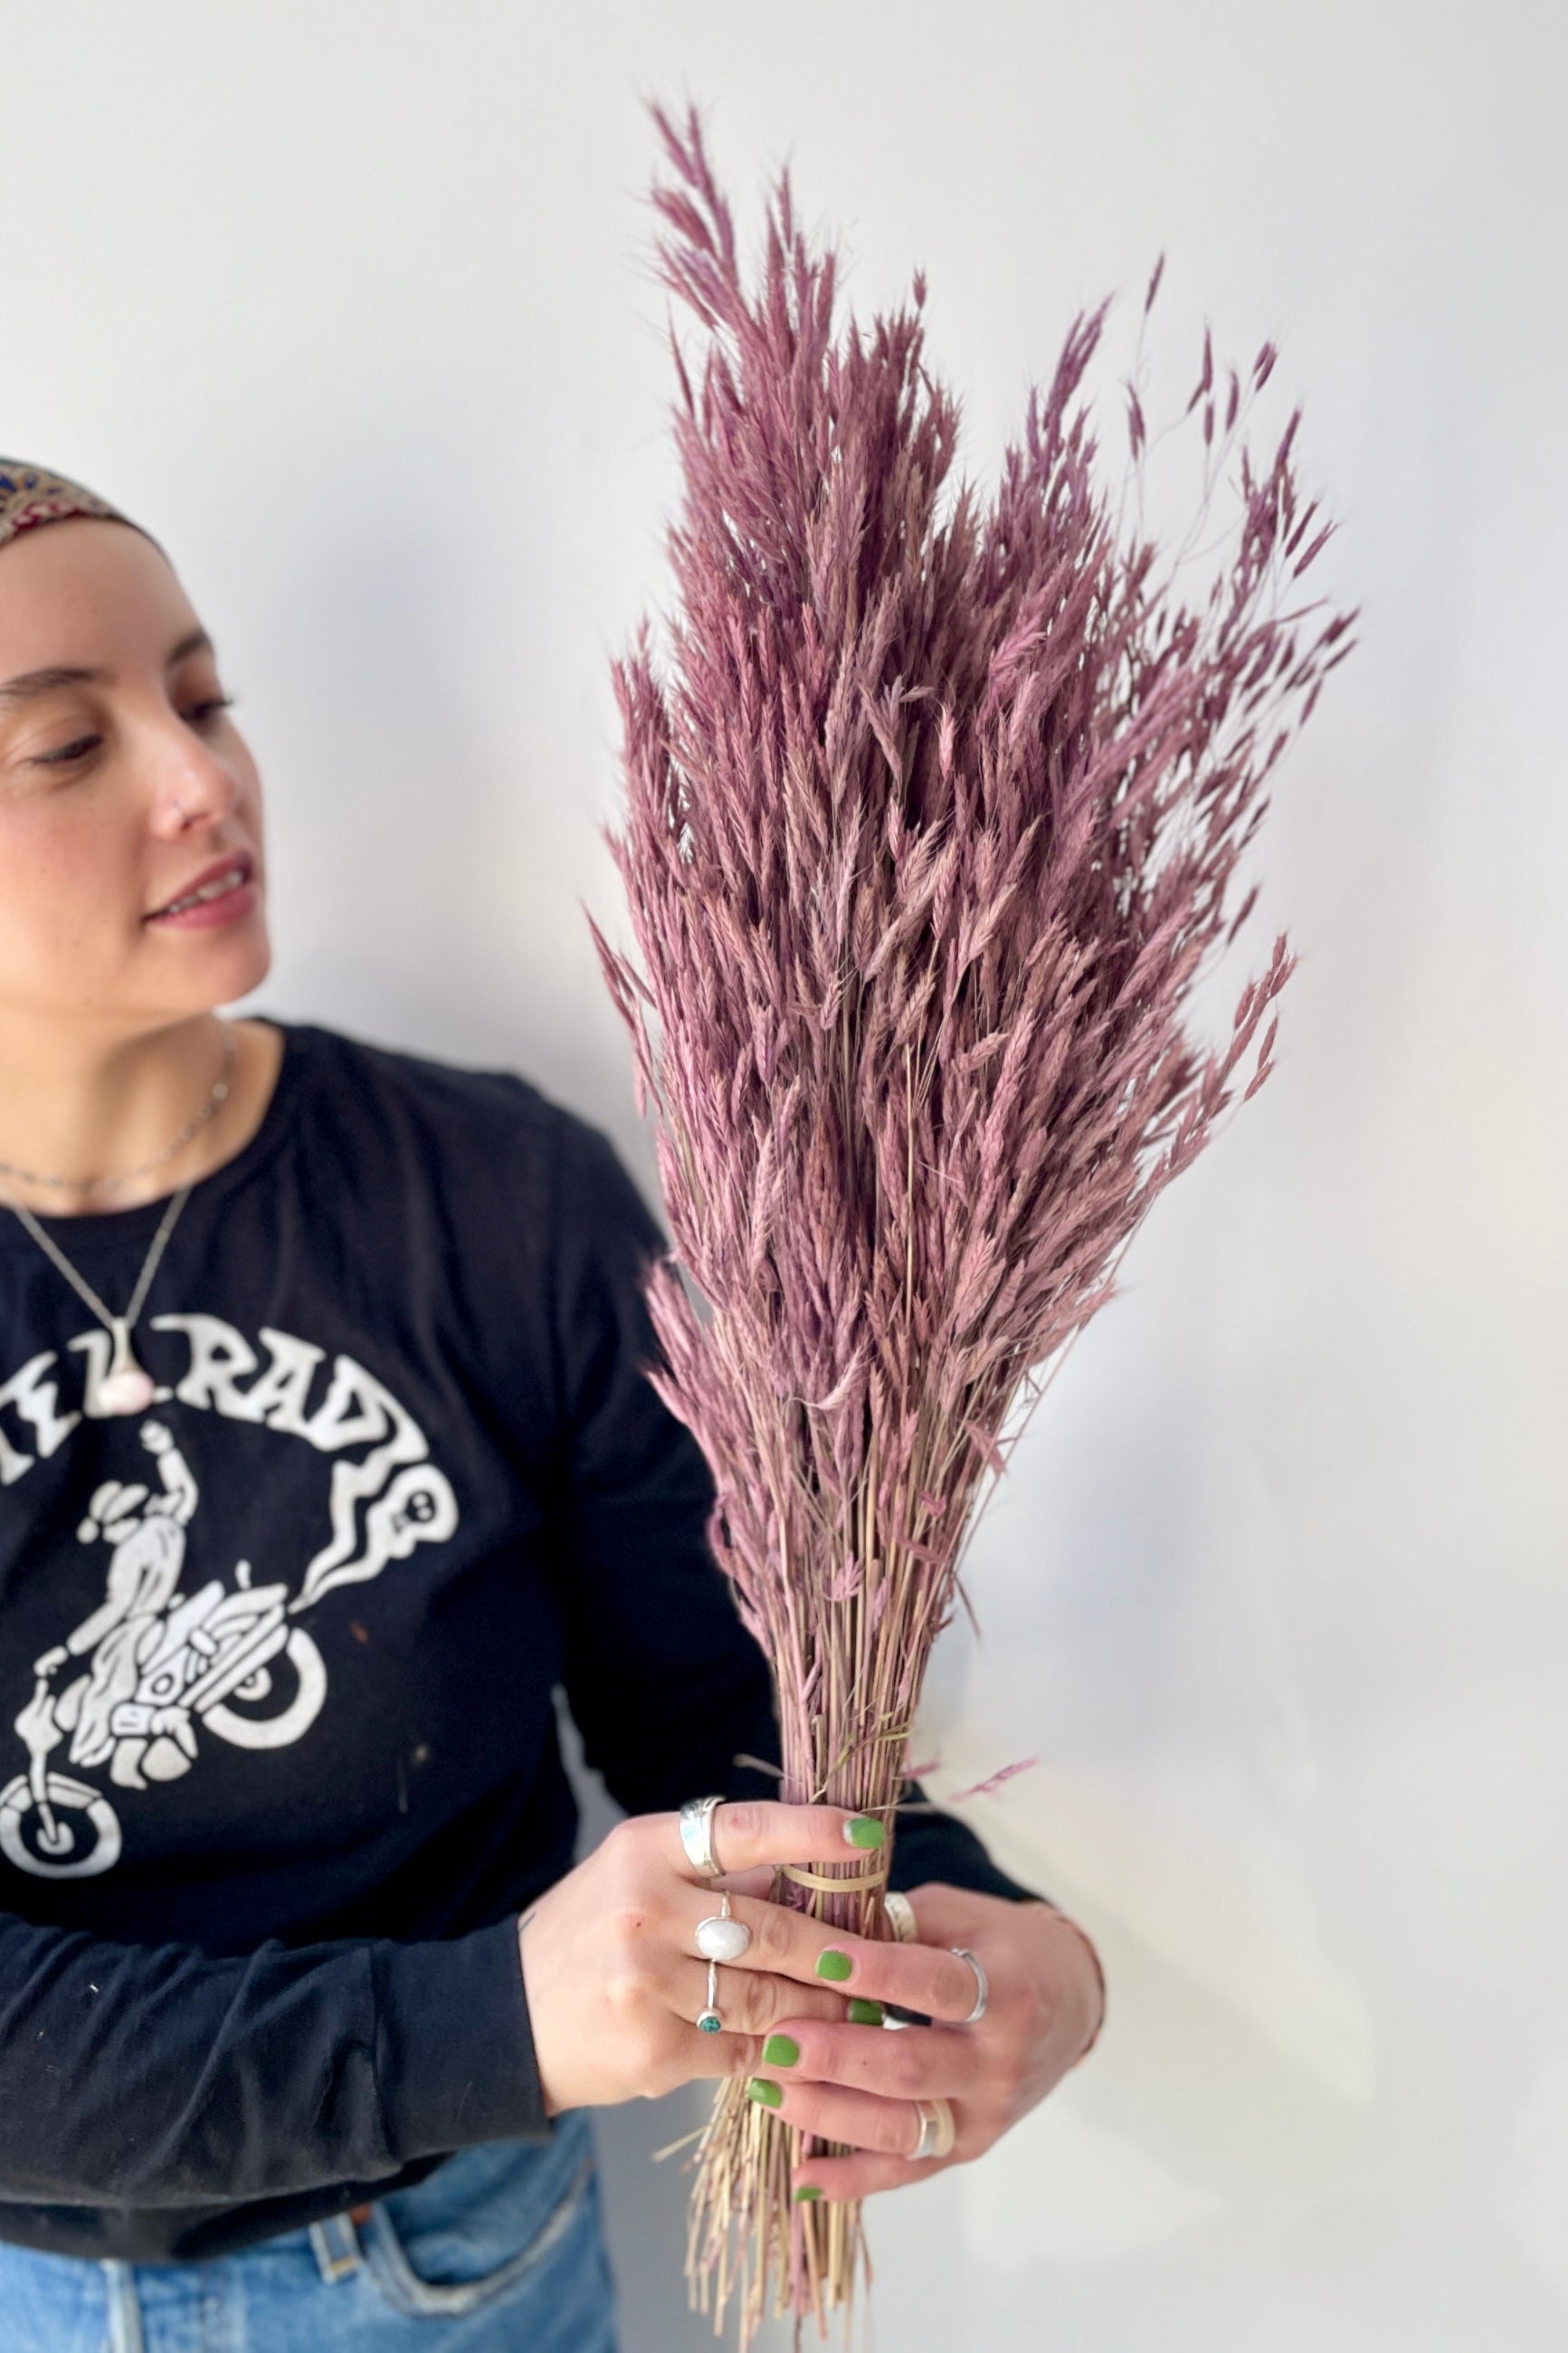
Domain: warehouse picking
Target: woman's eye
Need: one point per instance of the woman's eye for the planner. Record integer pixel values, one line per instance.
(200, 714)
(68, 752)
(210, 706)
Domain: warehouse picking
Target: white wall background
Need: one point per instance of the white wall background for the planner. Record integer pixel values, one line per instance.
(349, 301)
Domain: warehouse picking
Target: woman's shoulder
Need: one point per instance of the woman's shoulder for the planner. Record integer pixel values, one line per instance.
(470, 1108)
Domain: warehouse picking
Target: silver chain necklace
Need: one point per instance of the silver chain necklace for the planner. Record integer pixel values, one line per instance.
(127, 1388)
(112, 1184)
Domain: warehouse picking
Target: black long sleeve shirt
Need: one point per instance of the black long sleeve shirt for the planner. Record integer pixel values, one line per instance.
(278, 1653)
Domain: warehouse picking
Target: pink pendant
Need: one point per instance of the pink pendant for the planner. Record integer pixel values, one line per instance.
(125, 1387)
(129, 1391)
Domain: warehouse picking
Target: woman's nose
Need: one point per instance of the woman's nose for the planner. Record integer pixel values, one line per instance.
(192, 783)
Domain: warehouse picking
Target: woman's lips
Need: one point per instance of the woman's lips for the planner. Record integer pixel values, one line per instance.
(228, 907)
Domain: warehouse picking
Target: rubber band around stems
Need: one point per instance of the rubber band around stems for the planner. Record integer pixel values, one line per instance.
(852, 1882)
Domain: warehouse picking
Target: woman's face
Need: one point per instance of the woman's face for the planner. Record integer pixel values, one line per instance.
(123, 784)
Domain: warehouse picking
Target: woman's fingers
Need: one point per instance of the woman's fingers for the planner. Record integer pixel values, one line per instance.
(743, 1834)
(784, 1943)
(803, 2047)
(889, 2127)
(862, 2176)
(750, 2003)
(757, 1882)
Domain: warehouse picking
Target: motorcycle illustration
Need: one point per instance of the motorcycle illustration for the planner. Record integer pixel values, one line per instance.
(160, 1664)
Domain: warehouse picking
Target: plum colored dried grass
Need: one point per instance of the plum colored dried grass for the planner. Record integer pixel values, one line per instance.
(931, 824)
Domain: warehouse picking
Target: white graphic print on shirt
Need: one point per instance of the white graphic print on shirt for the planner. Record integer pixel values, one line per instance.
(160, 1663)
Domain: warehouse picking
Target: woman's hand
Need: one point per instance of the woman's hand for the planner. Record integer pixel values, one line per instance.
(614, 1984)
(857, 2085)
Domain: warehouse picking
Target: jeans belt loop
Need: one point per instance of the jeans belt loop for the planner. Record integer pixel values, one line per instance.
(336, 2243)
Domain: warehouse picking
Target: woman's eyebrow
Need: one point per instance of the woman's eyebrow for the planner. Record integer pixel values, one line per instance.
(28, 684)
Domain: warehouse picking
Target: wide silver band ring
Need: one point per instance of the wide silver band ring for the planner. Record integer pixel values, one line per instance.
(938, 2131)
(899, 1915)
(697, 1835)
(981, 1985)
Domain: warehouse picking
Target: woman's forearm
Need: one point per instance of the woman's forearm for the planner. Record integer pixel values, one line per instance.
(159, 2076)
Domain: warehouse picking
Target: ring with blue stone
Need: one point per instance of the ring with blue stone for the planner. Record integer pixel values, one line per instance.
(709, 2021)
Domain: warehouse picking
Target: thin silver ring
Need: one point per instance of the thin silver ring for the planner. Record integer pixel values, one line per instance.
(938, 2130)
(981, 1985)
(697, 1835)
(708, 2020)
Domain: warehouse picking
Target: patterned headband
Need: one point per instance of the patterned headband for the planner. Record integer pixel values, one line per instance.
(30, 495)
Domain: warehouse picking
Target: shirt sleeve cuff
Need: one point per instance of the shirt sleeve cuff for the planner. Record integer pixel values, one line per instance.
(938, 1846)
(454, 2057)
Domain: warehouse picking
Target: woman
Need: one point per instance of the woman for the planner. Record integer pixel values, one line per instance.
(325, 1455)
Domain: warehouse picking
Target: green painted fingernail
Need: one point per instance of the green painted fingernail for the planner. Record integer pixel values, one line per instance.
(781, 2050)
(863, 1830)
(807, 2190)
(863, 2013)
(759, 2088)
(833, 1965)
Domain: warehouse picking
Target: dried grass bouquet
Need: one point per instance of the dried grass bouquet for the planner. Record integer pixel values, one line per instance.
(932, 819)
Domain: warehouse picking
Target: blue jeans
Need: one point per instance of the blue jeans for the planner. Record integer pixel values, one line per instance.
(498, 2251)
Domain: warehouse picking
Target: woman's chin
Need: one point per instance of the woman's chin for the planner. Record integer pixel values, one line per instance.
(221, 967)
(252, 966)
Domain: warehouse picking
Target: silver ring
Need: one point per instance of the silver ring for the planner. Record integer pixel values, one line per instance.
(901, 1915)
(982, 1986)
(720, 1937)
(697, 1834)
(708, 2020)
(938, 2131)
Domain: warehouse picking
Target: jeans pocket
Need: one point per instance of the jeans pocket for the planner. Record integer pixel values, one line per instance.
(484, 2222)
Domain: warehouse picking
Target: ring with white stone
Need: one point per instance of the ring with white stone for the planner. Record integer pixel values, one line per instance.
(697, 1835)
(720, 1937)
(938, 2130)
(981, 1985)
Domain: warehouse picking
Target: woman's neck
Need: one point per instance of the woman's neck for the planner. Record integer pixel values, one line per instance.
(80, 1105)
